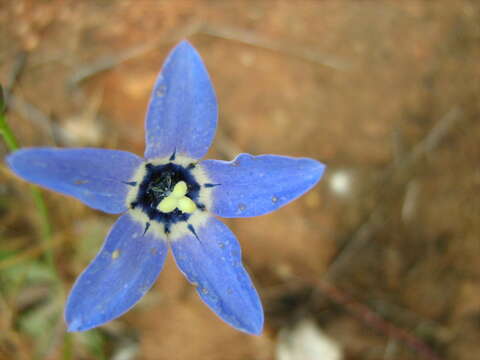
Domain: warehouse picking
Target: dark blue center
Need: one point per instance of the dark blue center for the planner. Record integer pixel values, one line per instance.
(157, 184)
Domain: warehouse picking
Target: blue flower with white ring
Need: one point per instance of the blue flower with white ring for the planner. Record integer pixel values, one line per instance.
(169, 199)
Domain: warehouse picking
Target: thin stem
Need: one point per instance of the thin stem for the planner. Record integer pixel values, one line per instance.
(67, 349)
(45, 227)
(6, 131)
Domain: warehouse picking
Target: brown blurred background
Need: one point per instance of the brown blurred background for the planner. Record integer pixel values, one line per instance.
(380, 261)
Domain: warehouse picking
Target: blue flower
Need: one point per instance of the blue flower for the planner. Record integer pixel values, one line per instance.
(169, 199)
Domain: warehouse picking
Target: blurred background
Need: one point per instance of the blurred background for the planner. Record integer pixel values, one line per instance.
(379, 261)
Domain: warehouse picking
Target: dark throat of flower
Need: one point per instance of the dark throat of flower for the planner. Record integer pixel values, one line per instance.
(158, 191)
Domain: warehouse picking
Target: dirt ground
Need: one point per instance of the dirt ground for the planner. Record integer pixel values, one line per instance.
(382, 256)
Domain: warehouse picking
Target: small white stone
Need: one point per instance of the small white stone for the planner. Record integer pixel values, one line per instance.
(341, 183)
(307, 341)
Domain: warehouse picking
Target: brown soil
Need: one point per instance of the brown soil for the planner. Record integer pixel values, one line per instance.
(386, 93)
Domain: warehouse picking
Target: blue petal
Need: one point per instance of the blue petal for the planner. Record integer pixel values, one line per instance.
(256, 185)
(94, 176)
(123, 271)
(211, 260)
(182, 114)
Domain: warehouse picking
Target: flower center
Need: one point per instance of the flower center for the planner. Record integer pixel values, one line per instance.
(170, 196)
(168, 193)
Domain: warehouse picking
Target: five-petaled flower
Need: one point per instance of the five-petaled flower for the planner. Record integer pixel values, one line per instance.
(169, 199)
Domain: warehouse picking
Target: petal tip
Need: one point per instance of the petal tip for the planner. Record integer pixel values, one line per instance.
(79, 323)
(17, 160)
(319, 168)
(184, 43)
(9, 161)
(75, 326)
(183, 47)
(253, 322)
(10, 158)
(314, 169)
(256, 328)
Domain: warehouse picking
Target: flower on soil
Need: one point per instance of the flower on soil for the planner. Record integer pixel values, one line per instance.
(169, 199)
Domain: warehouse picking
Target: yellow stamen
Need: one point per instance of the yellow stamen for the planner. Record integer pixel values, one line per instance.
(186, 205)
(180, 190)
(177, 199)
(168, 204)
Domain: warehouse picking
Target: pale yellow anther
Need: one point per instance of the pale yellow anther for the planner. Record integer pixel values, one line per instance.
(177, 199)
(186, 205)
(168, 204)
(180, 190)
